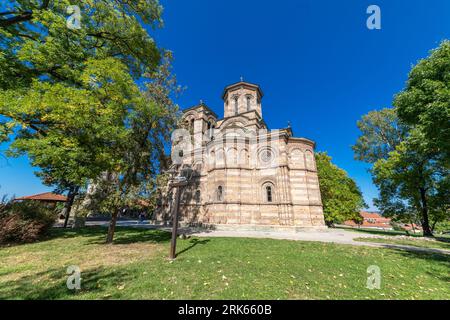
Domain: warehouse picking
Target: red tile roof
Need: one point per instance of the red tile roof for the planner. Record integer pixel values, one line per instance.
(47, 196)
(373, 220)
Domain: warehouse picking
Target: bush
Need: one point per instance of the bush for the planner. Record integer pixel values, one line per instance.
(397, 226)
(23, 222)
(442, 227)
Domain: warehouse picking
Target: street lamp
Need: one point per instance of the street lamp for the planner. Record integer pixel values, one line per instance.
(177, 183)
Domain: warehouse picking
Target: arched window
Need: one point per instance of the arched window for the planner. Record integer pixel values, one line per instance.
(269, 193)
(309, 159)
(236, 105)
(248, 103)
(220, 193)
(212, 159)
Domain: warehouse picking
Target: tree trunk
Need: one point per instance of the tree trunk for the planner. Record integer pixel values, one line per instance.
(68, 205)
(425, 221)
(112, 226)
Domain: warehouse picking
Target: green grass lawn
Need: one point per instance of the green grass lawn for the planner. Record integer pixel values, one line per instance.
(439, 243)
(136, 267)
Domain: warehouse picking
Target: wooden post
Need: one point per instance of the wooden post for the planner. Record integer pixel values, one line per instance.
(173, 243)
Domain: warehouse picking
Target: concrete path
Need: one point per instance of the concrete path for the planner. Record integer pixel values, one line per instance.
(338, 236)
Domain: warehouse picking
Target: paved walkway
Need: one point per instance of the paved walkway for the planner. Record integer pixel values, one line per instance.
(338, 236)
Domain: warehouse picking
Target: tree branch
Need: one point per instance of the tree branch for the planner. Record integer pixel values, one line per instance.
(21, 16)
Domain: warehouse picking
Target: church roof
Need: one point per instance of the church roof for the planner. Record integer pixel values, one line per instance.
(242, 83)
(201, 105)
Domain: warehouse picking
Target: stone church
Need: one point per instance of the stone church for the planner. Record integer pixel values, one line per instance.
(243, 173)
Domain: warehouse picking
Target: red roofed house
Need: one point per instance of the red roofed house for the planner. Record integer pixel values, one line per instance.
(48, 197)
(371, 220)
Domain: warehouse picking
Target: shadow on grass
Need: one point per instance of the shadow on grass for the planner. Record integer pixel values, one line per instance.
(72, 233)
(193, 243)
(61, 233)
(51, 284)
(442, 260)
(134, 235)
(442, 239)
(97, 235)
(123, 235)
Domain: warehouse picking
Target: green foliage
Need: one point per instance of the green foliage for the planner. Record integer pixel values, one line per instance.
(410, 180)
(36, 41)
(71, 99)
(70, 132)
(413, 185)
(342, 200)
(131, 182)
(425, 102)
(443, 227)
(22, 222)
(381, 134)
(412, 173)
(72, 88)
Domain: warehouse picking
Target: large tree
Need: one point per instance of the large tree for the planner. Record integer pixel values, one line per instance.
(425, 102)
(70, 133)
(142, 151)
(412, 182)
(67, 95)
(341, 198)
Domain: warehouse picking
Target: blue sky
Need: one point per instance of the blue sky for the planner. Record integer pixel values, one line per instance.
(317, 63)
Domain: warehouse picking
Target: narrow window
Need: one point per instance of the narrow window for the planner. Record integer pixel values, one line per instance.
(248, 103)
(209, 130)
(220, 193)
(269, 193)
(236, 105)
(197, 196)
